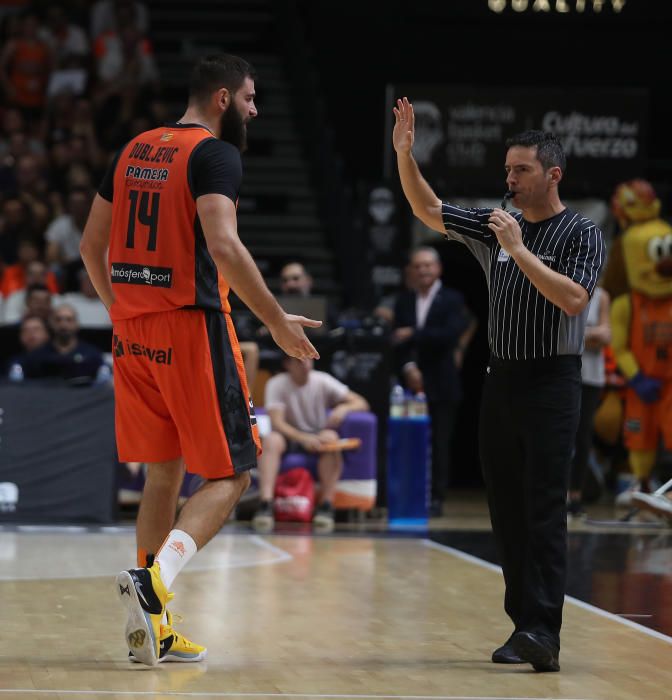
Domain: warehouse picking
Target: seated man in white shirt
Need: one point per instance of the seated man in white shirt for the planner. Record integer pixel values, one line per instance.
(306, 407)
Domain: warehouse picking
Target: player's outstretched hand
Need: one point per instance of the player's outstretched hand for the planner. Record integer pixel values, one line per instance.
(403, 134)
(290, 336)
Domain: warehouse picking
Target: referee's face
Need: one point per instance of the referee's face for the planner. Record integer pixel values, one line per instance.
(526, 177)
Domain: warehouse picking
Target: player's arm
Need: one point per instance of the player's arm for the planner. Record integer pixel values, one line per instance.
(424, 202)
(94, 246)
(217, 214)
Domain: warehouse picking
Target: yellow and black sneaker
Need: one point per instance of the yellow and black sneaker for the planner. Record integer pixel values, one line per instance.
(144, 596)
(175, 647)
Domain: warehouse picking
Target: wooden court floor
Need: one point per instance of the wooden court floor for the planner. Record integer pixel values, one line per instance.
(289, 616)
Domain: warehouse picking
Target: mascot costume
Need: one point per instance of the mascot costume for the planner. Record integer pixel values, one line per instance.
(641, 322)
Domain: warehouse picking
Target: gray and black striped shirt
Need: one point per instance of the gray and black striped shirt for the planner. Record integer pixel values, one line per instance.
(522, 323)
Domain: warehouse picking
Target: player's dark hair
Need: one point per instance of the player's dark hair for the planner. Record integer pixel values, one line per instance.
(550, 152)
(216, 71)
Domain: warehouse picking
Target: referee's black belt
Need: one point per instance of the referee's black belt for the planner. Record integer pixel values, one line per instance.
(535, 363)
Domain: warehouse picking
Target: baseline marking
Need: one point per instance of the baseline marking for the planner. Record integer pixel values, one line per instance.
(586, 606)
(177, 693)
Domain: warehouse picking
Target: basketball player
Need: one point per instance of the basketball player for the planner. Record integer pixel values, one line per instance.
(161, 247)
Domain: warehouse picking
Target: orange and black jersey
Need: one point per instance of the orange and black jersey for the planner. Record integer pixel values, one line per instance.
(158, 257)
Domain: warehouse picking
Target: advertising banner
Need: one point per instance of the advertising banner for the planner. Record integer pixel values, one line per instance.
(57, 454)
(460, 134)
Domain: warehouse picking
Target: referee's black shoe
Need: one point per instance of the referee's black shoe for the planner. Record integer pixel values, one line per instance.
(536, 650)
(506, 654)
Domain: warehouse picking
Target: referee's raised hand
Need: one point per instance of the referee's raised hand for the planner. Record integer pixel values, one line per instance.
(403, 134)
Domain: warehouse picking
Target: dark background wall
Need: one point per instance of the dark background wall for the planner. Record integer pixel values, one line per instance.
(360, 47)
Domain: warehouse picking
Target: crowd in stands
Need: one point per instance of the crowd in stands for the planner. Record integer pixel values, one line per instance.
(77, 81)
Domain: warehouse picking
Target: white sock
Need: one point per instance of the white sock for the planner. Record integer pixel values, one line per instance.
(175, 552)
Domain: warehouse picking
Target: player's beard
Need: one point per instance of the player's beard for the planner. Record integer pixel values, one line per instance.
(233, 129)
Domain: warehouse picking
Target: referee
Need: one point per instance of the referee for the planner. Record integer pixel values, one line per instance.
(541, 265)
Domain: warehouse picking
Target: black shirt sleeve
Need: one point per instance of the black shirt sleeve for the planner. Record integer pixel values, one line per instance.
(215, 168)
(106, 189)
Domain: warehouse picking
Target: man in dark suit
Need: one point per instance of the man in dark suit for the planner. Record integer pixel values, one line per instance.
(432, 329)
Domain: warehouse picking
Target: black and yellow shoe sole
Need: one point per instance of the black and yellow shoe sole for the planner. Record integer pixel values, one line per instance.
(140, 636)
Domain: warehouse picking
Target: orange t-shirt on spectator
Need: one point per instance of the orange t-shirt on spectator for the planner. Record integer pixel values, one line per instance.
(29, 72)
(14, 279)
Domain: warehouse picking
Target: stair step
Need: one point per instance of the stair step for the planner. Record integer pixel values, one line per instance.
(209, 15)
(289, 180)
(230, 4)
(277, 189)
(272, 236)
(287, 250)
(285, 220)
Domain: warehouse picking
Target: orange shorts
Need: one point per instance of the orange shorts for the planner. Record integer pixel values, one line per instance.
(180, 390)
(646, 423)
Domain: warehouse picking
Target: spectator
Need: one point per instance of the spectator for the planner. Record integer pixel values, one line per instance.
(104, 16)
(63, 38)
(38, 301)
(64, 235)
(90, 309)
(123, 55)
(79, 175)
(25, 64)
(33, 190)
(295, 280)
(432, 330)
(127, 76)
(33, 333)
(384, 308)
(36, 274)
(298, 402)
(593, 377)
(65, 356)
(15, 276)
(14, 139)
(16, 223)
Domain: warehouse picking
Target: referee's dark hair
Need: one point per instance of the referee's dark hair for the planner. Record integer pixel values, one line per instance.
(216, 71)
(550, 152)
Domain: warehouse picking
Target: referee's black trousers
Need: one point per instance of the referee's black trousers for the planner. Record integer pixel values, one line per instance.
(529, 416)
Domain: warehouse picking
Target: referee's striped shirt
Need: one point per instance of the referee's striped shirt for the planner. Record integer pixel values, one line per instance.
(522, 323)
